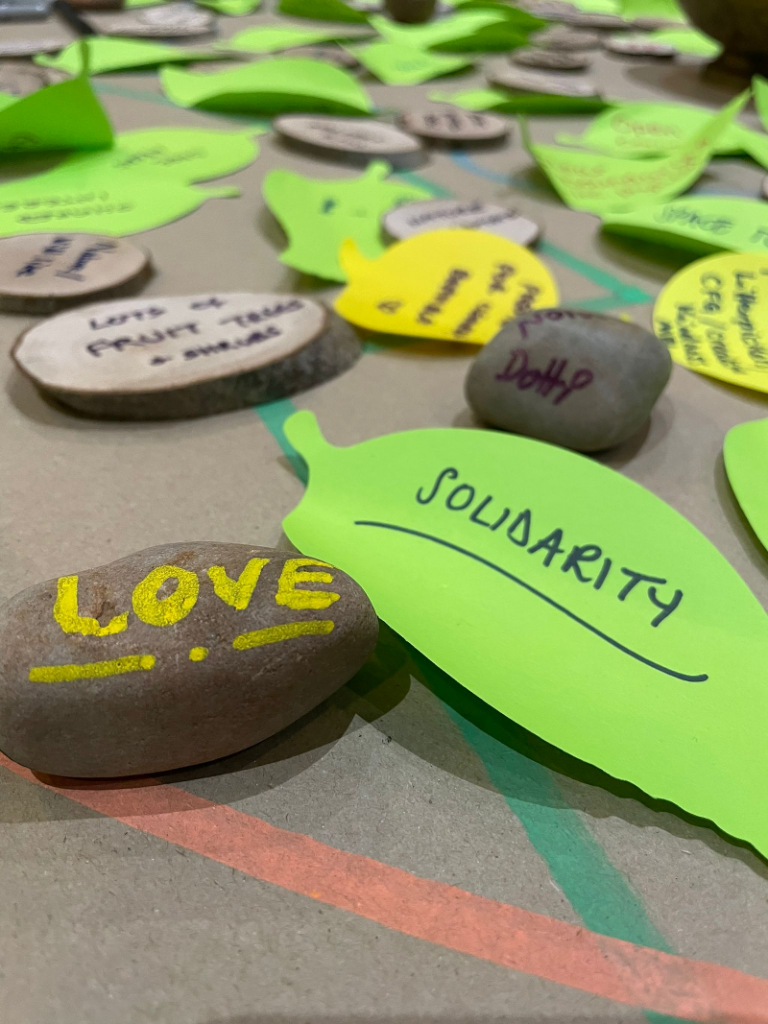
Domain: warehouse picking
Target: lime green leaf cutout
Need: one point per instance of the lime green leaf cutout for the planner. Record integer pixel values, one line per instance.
(318, 215)
(112, 54)
(745, 454)
(503, 102)
(275, 86)
(397, 64)
(322, 10)
(233, 8)
(273, 38)
(563, 594)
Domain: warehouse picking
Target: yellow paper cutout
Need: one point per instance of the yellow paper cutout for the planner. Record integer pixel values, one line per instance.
(453, 285)
(712, 316)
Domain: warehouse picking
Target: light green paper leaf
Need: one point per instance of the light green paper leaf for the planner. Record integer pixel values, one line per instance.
(280, 85)
(687, 40)
(658, 683)
(521, 20)
(652, 129)
(273, 38)
(669, 10)
(454, 28)
(518, 103)
(597, 6)
(66, 115)
(702, 224)
(103, 208)
(498, 38)
(142, 3)
(318, 215)
(604, 184)
(396, 64)
(232, 8)
(323, 10)
(745, 454)
(107, 53)
(185, 155)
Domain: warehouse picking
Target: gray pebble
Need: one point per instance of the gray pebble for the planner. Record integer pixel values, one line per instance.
(207, 648)
(570, 377)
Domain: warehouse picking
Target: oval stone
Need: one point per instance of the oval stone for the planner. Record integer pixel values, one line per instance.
(173, 656)
(570, 377)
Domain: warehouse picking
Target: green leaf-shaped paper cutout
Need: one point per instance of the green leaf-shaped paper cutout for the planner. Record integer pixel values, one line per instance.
(66, 115)
(279, 85)
(533, 576)
(104, 207)
(323, 10)
(503, 102)
(232, 8)
(397, 64)
(745, 454)
(177, 154)
(702, 224)
(274, 38)
(318, 215)
(107, 53)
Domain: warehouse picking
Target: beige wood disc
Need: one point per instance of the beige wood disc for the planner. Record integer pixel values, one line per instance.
(151, 345)
(530, 81)
(452, 124)
(358, 135)
(435, 214)
(550, 60)
(19, 78)
(327, 54)
(46, 271)
(30, 47)
(175, 20)
(560, 37)
(638, 46)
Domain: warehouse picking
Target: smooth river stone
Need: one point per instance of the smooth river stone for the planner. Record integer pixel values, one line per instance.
(352, 136)
(173, 656)
(638, 46)
(185, 356)
(577, 379)
(40, 273)
(436, 214)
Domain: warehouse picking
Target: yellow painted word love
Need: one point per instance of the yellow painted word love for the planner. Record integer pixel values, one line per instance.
(172, 608)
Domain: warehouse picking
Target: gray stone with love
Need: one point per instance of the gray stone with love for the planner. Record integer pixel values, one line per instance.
(174, 656)
(577, 379)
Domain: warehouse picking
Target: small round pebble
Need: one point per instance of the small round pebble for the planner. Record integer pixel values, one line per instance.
(574, 378)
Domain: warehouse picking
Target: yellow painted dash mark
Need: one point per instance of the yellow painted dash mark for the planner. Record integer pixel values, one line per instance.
(274, 634)
(94, 670)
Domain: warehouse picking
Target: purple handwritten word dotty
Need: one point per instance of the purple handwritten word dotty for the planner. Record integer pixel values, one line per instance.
(544, 381)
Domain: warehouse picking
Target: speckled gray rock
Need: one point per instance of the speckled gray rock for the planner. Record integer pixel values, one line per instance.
(173, 656)
(576, 379)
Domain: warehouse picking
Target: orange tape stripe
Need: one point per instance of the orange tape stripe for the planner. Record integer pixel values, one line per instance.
(433, 911)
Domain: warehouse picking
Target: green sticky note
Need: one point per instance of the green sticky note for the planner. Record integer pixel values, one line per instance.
(397, 64)
(66, 115)
(277, 86)
(668, 10)
(452, 29)
(106, 53)
(104, 207)
(604, 184)
(233, 8)
(504, 102)
(177, 154)
(273, 38)
(687, 40)
(652, 129)
(322, 10)
(702, 224)
(745, 454)
(318, 215)
(563, 594)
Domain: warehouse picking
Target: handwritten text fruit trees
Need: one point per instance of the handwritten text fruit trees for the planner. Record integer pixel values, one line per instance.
(188, 355)
(453, 285)
(565, 595)
(172, 656)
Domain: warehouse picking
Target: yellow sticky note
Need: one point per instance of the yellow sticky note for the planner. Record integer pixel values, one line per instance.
(453, 285)
(712, 316)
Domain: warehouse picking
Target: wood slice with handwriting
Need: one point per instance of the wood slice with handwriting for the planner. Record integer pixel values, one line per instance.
(436, 214)
(185, 356)
(553, 85)
(551, 60)
(31, 47)
(351, 136)
(452, 124)
(172, 21)
(41, 273)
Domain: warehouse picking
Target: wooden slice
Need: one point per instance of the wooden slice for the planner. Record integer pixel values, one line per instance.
(45, 272)
(189, 355)
(638, 46)
(529, 81)
(20, 78)
(560, 37)
(30, 47)
(587, 19)
(326, 54)
(349, 135)
(550, 60)
(170, 21)
(435, 214)
(452, 124)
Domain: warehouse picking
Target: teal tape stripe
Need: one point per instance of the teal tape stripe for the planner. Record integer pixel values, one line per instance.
(597, 891)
